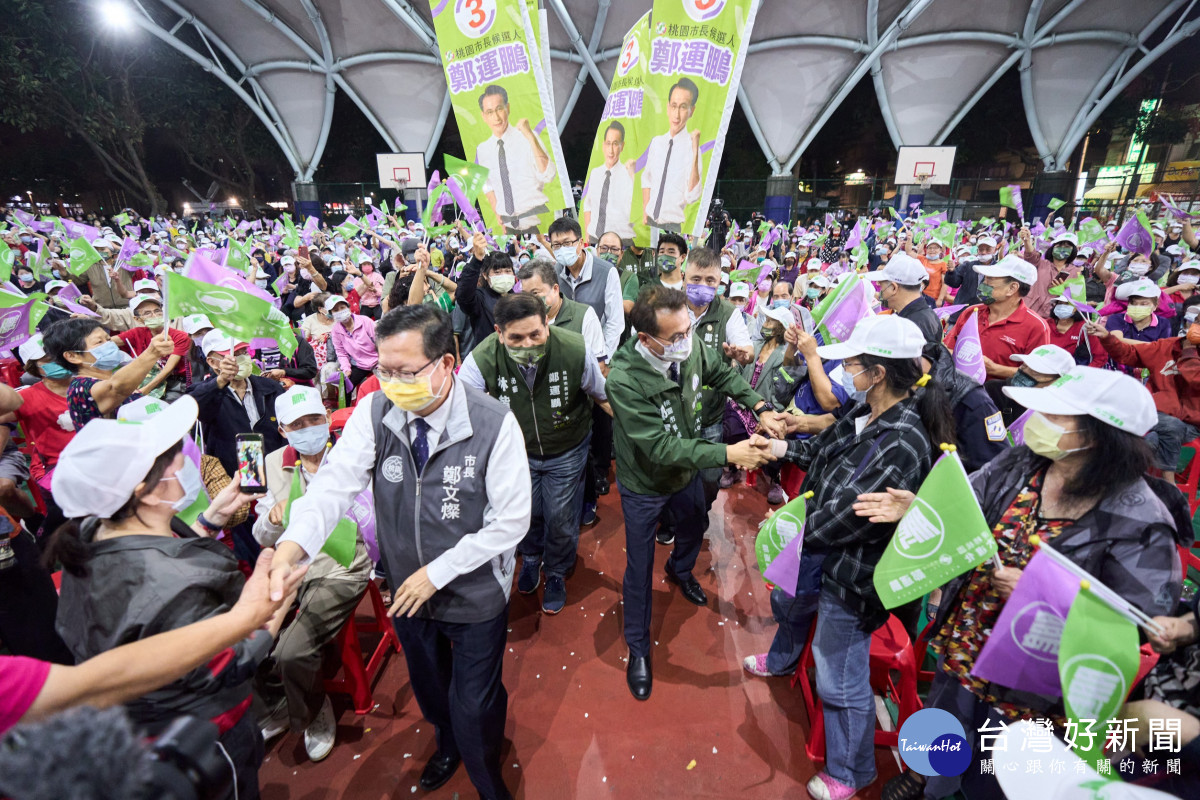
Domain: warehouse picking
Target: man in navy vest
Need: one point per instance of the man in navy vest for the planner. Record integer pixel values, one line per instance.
(452, 494)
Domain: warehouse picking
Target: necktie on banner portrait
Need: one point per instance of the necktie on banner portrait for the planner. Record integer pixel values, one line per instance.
(612, 190)
(697, 49)
(942, 535)
(502, 101)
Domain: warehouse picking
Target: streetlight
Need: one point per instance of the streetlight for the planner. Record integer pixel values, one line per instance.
(116, 14)
(233, 201)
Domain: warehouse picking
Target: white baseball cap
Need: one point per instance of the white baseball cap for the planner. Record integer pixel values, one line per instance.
(1107, 395)
(1140, 287)
(333, 300)
(145, 284)
(985, 240)
(32, 349)
(102, 243)
(820, 281)
(1048, 359)
(900, 268)
(813, 265)
(141, 299)
(365, 259)
(739, 289)
(194, 323)
(216, 342)
(789, 254)
(141, 409)
(783, 315)
(1174, 250)
(297, 402)
(287, 261)
(1011, 266)
(889, 336)
(52, 285)
(101, 466)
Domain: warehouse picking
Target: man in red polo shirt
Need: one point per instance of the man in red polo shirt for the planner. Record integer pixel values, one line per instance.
(1006, 326)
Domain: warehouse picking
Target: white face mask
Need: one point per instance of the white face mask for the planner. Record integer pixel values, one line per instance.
(342, 316)
(1189, 279)
(675, 353)
(1064, 311)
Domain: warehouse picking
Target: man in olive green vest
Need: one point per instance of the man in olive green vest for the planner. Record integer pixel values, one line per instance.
(539, 278)
(548, 378)
(654, 388)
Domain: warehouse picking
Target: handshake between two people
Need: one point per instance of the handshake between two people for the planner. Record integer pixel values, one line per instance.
(766, 444)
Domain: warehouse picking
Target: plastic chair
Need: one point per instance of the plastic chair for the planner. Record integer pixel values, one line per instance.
(1188, 478)
(359, 677)
(891, 652)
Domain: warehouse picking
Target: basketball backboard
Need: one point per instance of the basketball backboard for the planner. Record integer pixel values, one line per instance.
(924, 166)
(399, 171)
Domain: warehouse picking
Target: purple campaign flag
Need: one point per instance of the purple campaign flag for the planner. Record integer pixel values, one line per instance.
(74, 308)
(1135, 235)
(76, 229)
(362, 511)
(17, 320)
(200, 268)
(1022, 651)
(23, 217)
(769, 240)
(1177, 212)
(784, 569)
(1016, 431)
(1084, 307)
(855, 238)
(946, 311)
(968, 352)
(69, 292)
(829, 220)
(129, 249)
(855, 306)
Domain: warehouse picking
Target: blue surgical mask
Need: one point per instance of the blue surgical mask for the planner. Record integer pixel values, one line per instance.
(780, 303)
(108, 356)
(309, 441)
(55, 371)
(565, 256)
(857, 395)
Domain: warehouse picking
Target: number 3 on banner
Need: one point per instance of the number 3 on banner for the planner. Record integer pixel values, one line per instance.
(474, 17)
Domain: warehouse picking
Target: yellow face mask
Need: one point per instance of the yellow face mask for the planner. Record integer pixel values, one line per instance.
(413, 396)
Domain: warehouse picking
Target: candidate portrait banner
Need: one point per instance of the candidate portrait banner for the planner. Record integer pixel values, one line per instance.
(612, 190)
(502, 100)
(697, 49)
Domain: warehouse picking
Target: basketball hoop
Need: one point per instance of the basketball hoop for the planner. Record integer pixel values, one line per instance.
(400, 184)
(925, 180)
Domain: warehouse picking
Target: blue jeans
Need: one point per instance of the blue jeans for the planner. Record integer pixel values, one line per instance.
(794, 615)
(557, 505)
(1167, 439)
(641, 513)
(841, 654)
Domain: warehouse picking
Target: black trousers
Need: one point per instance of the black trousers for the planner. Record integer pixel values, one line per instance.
(600, 458)
(455, 672)
(28, 605)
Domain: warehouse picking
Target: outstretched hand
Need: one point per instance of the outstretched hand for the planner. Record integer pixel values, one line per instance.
(887, 506)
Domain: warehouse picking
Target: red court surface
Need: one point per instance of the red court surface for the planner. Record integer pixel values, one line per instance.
(573, 730)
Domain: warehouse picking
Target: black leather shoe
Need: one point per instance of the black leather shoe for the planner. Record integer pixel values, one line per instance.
(689, 588)
(439, 770)
(602, 485)
(639, 678)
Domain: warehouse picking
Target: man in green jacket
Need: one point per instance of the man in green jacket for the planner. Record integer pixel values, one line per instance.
(654, 389)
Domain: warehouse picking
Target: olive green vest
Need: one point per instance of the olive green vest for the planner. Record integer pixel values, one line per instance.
(570, 316)
(557, 414)
(709, 331)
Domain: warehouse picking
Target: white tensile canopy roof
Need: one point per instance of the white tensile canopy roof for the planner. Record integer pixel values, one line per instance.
(930, 62)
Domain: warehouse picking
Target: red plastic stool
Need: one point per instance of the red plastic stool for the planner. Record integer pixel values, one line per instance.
(891, 651)
(1188, 481)
(358, 678)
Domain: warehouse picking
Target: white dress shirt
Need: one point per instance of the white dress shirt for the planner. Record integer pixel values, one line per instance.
(618, 205)
(593, 334)
(614, 309)
(347, 471)
(247, 402)
(676, 195)
(524, 178)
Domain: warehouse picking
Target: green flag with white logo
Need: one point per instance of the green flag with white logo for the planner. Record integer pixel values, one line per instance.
(1054, 204)
(341, 544)
(8, 257)
(237, 258)
(239, 315)
(1098, 661)
(82, 254)
(780, 528)
(942, 535)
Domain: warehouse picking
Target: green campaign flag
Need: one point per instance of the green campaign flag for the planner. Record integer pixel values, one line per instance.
(349, 227)
(1054, 204)
(82, 255)
(471, 177)
(1091, 231)
(1098, 660)
(8, 257)
(237, 258)
(615, 152)
(383, 207)
(945, 234)
(1076, 285)
(141, 260)
(831, 300)
(123, 219)
(892, 212)
(697, 48)
(780, 528)
(985, 223)
(861, 254)
(744, 275)
(942, 535)
(1006, 197)
(239, 315)
(764, 226)
(341, 544)
(504, 104)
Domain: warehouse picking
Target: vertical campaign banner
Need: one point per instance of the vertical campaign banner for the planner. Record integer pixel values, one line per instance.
(502, 101)
(697, 49)
(612, 190)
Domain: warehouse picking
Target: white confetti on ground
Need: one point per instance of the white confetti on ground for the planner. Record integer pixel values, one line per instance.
(714, 751)
(357, 757)
(604, 779)
(585, 715)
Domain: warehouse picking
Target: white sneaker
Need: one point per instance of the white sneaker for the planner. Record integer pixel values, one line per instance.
(319, 735)
(275, 726)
